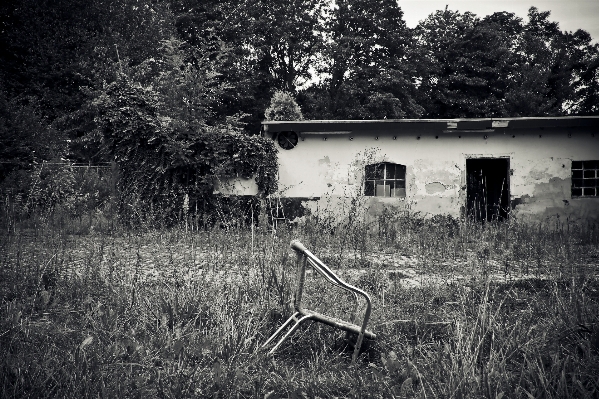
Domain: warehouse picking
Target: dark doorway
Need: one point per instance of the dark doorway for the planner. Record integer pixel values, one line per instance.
(488, 188)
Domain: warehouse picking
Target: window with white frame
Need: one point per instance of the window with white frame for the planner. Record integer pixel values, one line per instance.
(385, 180)
(585, 178)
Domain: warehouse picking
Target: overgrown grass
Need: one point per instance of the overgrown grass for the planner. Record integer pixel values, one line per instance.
(461, 310)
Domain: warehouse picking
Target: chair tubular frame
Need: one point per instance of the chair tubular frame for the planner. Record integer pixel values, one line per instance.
(305, 258)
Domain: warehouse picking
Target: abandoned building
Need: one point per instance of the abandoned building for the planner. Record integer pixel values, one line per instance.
(483, 168)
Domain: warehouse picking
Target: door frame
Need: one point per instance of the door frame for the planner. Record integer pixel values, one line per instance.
(508, 157)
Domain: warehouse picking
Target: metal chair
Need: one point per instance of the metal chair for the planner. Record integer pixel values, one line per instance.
(304, 258)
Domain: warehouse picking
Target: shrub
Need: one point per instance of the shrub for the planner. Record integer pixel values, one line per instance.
(283, 107)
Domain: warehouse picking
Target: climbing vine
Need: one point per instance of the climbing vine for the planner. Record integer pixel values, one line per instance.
(236, 154)
(164, 160)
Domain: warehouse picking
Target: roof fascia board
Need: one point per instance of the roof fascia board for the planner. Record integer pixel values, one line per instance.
(444, 125)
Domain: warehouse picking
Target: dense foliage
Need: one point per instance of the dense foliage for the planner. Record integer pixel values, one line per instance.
(499, 66)
(174, 90)
(283, 107)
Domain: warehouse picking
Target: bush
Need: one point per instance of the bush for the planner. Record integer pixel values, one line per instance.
(283, 107)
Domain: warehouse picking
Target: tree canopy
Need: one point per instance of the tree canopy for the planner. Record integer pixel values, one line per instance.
(173, 89)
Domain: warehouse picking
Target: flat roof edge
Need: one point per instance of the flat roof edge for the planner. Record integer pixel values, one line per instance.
(316, 126)
(430, 120)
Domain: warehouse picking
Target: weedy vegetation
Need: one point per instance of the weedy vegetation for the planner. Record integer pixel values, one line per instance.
(461, 310)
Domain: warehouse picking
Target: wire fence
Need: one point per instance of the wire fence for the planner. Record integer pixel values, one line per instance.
(13, 189)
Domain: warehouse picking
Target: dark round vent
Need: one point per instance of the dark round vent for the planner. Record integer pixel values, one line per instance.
(287, 140)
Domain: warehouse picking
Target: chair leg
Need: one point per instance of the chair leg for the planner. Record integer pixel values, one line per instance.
(288, 334)
(277, 333)
(357, 348)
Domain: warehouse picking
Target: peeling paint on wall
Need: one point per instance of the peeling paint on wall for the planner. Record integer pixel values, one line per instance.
(435, 188)
(553, 198)
(434, 177)
(528, 173)
(540, 183)
(324, 162)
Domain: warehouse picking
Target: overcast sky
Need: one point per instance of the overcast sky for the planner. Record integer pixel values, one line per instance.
(570, 14)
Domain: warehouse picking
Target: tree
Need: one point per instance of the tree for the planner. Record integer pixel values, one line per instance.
(587, 83)
(365, 64)
(538, 87)
(466, 63)
(25, 140)
(283, 107)
(288, 39)
(269, 45)
(75, 48)
(499, 66)
(584, 79)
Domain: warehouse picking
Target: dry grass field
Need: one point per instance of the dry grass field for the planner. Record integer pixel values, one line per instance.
(461, 310)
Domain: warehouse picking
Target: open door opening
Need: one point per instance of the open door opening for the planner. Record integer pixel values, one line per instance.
(488, 188)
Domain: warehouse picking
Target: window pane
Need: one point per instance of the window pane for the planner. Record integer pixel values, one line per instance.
(577, 174)
(382, 189)
(576, 164)
(380, 171)
(576, 182)
(369, 189)
(589, 164)
(588, 183)
(375, 171)
(390, 171)
(576, 192)
(400, 172)
(589, 192)
(370, 172)
(589, 173)
(398, 192)
(395, 189)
